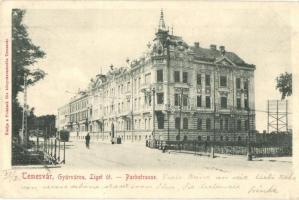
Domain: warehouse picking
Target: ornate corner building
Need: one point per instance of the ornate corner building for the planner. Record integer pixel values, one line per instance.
(175, 91)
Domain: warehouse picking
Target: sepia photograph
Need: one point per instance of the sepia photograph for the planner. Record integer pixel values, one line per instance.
(203, 88)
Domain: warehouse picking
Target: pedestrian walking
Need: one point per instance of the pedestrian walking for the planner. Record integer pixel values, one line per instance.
(87, 140)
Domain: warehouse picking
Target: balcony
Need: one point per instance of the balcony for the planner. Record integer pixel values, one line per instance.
(145, 87)
(160, 107)
(188, 108)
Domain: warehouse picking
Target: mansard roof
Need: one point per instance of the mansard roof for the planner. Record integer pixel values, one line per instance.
(211, 55)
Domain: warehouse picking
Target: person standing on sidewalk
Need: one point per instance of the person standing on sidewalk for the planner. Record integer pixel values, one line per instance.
(87, 140)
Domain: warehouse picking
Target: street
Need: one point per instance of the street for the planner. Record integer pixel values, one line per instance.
(136, 156)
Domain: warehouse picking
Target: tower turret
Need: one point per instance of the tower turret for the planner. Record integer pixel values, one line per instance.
(162, 26)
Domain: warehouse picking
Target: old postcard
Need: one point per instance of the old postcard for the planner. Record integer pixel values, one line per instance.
(149, 99)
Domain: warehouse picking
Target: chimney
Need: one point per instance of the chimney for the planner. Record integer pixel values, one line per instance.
(213, 47)
(196, 44)
(222, 49)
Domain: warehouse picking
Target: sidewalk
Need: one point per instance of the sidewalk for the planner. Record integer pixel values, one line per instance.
(208, 154)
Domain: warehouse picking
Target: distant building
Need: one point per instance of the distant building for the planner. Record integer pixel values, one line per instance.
(79, 111)
(63, 118)
(198, 93)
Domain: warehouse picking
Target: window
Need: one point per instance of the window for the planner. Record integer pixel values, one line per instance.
(238, 103)
(147, 78)
(160, 118)
(246, 103)
(185, 77)
(221, 138)
(185, 137)
(208, 138)
(185, 123)
(208, 80)
(221, 124)
(208, 102)
(246, 125)
(149, 100)
(208, 124)
(135, 85)
(139, 103)
(198, 79)
(224, 102)
(223, 81)
(160, 75)
(199, 138)
(176, 99)
(128, 86)
(239, 125)
(246, 85)
(160, 98)
(198, 101)
(239, 138)
(185, 100)
(177, 123)
(226, 124)
(238, 83)
(176, 76)
(199, 124)
(139, 82)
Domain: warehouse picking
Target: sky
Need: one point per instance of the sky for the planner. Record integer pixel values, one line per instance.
(80, 43)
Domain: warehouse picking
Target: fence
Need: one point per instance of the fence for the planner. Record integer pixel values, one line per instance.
(53, 149)
(38, 151)
(232, 148)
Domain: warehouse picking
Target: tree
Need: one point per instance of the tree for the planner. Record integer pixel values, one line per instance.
(284, 84)
(24, 56)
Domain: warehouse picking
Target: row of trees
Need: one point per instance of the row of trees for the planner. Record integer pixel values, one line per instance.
(25, 56)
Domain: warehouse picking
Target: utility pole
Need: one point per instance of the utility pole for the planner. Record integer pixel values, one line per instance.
(24, 117)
